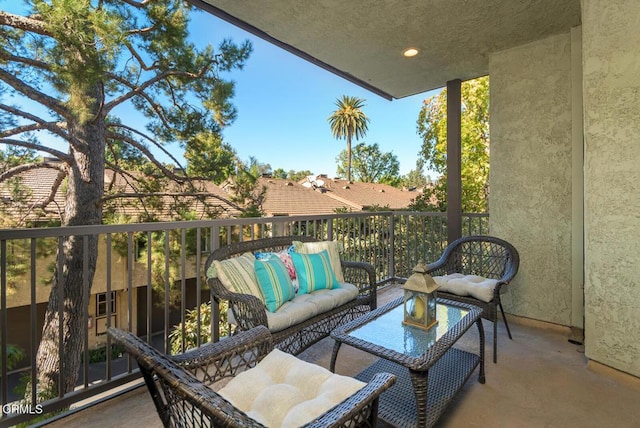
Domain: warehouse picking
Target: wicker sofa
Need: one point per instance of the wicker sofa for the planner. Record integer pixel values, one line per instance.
(247, 311)
(186, 388)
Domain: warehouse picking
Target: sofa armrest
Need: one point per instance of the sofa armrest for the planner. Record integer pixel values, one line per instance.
(363, 276)
(248, 310)
(228, 357)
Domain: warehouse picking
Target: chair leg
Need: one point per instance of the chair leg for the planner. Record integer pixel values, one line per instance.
(506, 324)
(495, 341)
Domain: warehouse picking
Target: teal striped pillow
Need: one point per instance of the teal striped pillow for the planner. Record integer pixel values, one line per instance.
(333, 249)
(274, 281)
(314, 271)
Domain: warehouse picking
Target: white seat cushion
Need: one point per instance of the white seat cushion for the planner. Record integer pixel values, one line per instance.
(467, 285)
(284, 391)
(305, 306)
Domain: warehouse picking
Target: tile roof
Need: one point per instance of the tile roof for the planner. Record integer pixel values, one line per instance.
(40, 182)
(285, 197)
(366, 195)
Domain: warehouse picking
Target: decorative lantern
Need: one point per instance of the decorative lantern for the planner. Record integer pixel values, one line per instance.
(419, 299)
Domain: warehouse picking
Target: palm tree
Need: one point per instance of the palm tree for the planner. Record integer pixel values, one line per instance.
(348, 121)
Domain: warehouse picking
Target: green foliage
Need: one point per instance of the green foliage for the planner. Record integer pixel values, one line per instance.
(279, 173)
(370, 165)
(207, 156)
(14, 355)
(13, 156)
(432, 127)
(81, 60)
(99, 355)
(245, 189)
(298, 175)
(291, 174)
(349, 121)
(416, 178)
(192, 323)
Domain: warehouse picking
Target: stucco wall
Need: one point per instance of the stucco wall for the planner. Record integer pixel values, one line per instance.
(530, 179)
(611, 62)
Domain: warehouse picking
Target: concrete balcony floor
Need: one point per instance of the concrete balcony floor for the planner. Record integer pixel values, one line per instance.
(541, 380)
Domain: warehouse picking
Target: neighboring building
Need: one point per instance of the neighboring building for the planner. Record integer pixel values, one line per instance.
(285, 197)
(365, 196)
(322, 195)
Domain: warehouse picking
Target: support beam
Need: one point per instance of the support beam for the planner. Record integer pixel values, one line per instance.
(577, 189)
(454, 159)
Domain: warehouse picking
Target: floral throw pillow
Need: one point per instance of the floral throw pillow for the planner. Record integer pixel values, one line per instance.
(284, 256)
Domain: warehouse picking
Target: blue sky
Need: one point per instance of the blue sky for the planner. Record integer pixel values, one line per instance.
(283, 103)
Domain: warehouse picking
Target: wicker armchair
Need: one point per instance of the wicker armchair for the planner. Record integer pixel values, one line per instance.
(485, 256)
(180, 385)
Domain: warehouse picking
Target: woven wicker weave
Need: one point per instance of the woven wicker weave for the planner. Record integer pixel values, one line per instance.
(426, 383)
(250, 312)
(179, 386)
(485, 256)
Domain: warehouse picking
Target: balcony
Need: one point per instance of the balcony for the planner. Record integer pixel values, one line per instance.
(541, 378)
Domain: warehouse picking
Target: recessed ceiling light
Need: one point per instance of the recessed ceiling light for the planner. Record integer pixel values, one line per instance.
(410, 52)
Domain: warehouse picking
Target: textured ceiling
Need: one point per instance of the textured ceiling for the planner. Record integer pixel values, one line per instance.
(363, 40)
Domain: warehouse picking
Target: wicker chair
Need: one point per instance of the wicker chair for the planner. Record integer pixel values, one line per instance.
(485, 256)
(179, 385)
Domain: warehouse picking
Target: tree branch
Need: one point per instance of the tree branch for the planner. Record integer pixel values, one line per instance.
(30, 24)
(139, 89)
(57, 128)
(52, 194)
(117, 136)
(19, 169)
(142, 30)
(137, 56)
(124, 173)
(53, 152)
(33, 93)
(134, 91)
(7, 56)
(198, 195)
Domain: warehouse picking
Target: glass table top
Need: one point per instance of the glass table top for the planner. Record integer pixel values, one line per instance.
(388, 331)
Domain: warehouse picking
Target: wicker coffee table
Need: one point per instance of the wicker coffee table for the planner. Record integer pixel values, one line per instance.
(430, 371)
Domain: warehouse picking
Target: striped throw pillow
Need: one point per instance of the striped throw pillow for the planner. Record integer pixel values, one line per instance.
(316, 247)
(274, 282)
(314, 272)
(237, 274)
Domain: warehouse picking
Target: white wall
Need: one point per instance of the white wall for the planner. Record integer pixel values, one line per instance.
(531, 170)
(611, 62)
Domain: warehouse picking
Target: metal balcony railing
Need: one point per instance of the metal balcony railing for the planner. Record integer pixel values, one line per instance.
(150, 276)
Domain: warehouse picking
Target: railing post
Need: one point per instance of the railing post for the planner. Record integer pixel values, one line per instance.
(392, 246)
(4, 394)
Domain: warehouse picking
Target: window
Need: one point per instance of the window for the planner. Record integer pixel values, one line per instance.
(101, 304)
